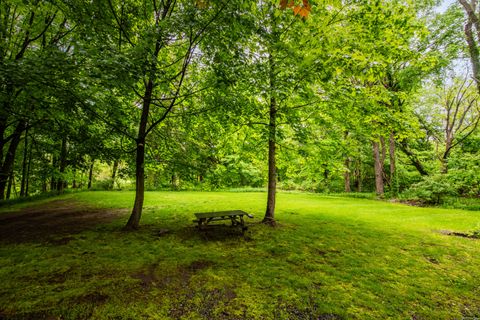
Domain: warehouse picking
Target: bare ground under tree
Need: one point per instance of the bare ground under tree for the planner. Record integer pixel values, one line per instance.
(53, 222)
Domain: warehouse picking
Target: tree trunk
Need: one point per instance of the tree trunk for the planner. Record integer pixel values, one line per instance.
(134, 220)
(326, 174)
(446, 154)
(63, 165)
(347, 175)
(272, 132)
(53, 178)
(393, 180)
(24, 166)
(472, 20)
(90, 174)
(378, 170)
(9, 161)
(272, 169)
(358, 177)
(114, 173)
(27, 183)
(10, 183)
(413, 158)
(3, 128)
(383, 156)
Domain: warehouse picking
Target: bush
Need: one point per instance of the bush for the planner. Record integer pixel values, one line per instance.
(105, 184)
(432, 189)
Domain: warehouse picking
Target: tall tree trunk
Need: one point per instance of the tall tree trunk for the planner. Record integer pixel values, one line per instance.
(272, 132)
(3, 128)
(134, 220)
(393, 175)
(347, 175)
(378, 169)
(358, 177)
(27, 183)
(53, 178)
(383, 156)
(272, 168)
(114, 173)
(63, 165)
(90, 174)
(10, 183)
(9, 161)
(472, 21)
(24, 166)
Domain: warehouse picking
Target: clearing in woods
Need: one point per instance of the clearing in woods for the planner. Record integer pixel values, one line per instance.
(329, 258)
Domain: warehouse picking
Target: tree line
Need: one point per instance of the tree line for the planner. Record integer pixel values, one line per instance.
(324, 96)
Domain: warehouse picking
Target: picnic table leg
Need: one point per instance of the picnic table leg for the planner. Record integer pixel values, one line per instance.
(242, 223)
(234, 221)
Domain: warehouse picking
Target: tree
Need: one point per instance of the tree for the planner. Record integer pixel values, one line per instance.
(160, 40)
(30, 32)
(451, 114)
(472, 36)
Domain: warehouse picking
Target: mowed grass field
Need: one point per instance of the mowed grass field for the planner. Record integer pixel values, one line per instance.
(328, 258)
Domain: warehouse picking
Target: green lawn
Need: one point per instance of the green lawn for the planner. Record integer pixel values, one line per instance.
(329, 258)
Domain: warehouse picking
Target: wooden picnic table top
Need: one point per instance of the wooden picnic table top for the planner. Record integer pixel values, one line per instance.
(231, 213)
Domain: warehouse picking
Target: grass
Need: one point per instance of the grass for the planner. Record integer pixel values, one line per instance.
(462, 203)
(330, 258)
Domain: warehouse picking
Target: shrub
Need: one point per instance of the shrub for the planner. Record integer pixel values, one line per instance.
(432, 189)
(464, 173)
(105, 184)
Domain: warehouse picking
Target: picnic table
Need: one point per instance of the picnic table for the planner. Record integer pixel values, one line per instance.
(235, 216)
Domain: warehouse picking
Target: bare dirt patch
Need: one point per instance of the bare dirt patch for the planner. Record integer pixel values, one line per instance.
(472, 235)
(53, 222)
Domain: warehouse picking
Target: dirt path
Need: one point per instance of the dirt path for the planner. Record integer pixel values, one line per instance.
(53, 221)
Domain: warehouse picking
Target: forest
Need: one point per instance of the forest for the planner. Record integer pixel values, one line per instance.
(153, 105)
(327, 96)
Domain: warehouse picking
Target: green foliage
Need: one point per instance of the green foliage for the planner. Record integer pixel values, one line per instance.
(345, 74)
(105, 184)
(465, 175)
(432, 190)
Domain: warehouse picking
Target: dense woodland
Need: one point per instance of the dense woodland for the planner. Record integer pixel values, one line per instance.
(315, 95)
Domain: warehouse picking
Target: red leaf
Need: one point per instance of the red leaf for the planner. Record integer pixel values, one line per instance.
(296, 10)
(304, 12)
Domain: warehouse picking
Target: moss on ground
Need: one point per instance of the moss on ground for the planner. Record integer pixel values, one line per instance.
(329, 258)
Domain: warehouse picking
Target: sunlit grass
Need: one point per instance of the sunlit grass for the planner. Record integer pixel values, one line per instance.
(331, 257)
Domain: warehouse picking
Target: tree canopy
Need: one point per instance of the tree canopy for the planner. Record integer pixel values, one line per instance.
(323, 96)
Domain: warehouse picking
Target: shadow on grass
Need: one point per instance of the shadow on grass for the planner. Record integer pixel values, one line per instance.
(53, 222)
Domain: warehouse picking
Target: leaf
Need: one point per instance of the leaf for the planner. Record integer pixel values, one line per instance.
(296, 10)
(283, 4)
(304, 12)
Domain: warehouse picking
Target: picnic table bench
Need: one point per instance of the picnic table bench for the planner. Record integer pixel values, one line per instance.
(235, 216)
